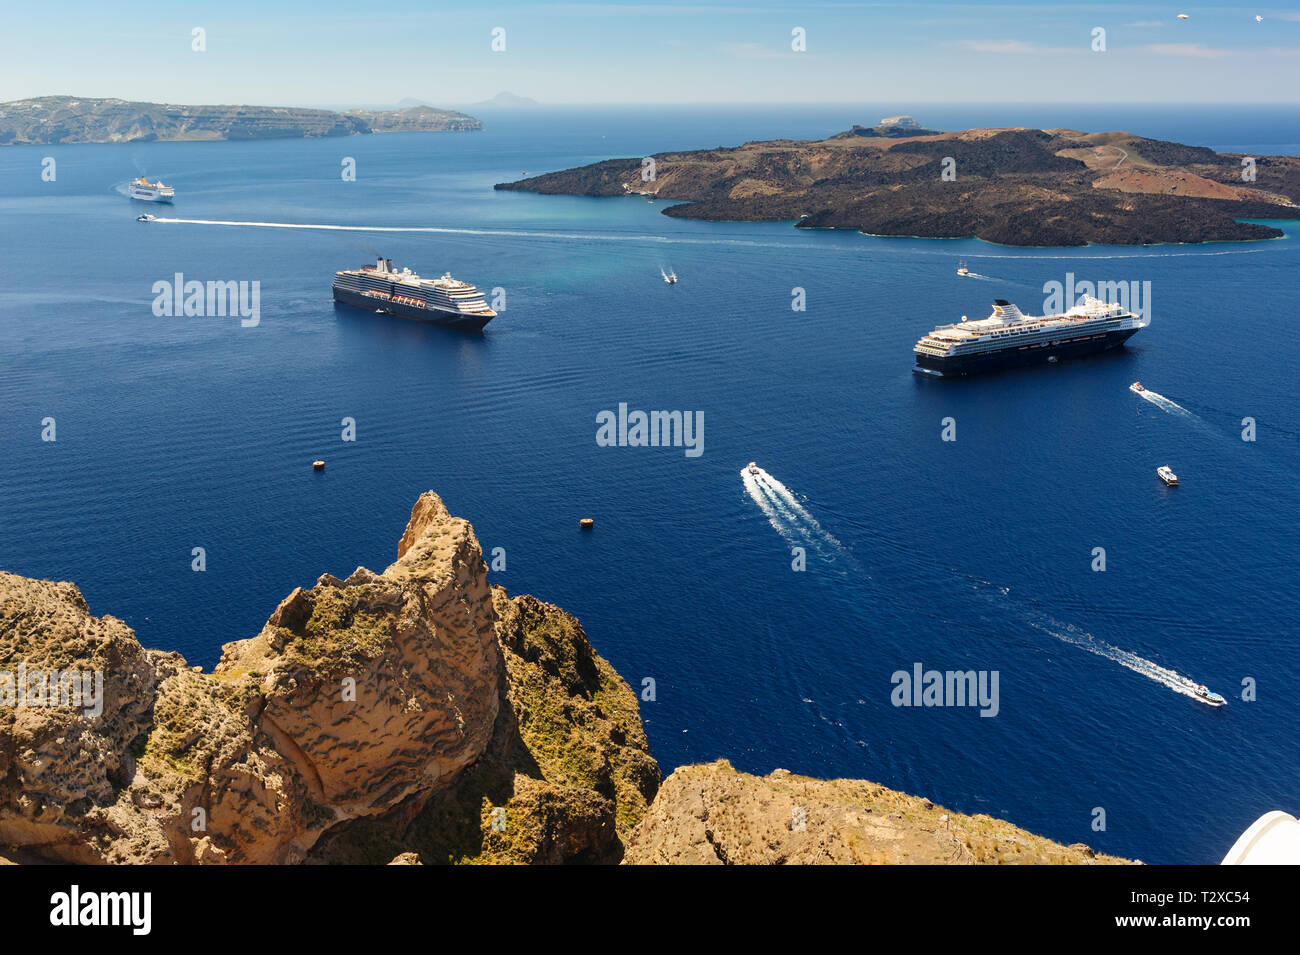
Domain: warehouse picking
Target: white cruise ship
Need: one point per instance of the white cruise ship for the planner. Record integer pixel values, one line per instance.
(440, 301)
(1008, 338)
(142, 188)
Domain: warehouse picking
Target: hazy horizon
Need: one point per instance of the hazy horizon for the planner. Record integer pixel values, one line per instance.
(625, 54)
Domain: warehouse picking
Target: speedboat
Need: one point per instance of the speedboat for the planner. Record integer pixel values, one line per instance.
(1136, 388)
(962, 270)
(145, 218)
(752, 468)
(1210, 697)
(670, 277)
(1167, 475)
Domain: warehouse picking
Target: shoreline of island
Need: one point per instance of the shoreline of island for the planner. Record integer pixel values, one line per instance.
(1013, 187)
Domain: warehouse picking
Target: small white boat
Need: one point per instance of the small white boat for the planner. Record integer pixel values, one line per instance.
(1207, 696)
(1167, 475)
(145, 218)
(1136, 388)
(751, 467)
(670, 276)
(962, 270)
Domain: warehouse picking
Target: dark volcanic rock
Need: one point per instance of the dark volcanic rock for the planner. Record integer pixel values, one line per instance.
(1025, 187)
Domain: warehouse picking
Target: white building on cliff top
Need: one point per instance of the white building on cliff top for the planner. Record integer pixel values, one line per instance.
(900, 122)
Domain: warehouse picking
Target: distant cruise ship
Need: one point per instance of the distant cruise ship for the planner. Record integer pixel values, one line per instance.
(142, 188)
(442, 301)
(1007, 338)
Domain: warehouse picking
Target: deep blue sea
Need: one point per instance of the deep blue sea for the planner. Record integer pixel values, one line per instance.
(175, 433)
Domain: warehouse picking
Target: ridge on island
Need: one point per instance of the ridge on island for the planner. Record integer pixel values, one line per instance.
(1017, 186)
(53, 120)
(419, 715)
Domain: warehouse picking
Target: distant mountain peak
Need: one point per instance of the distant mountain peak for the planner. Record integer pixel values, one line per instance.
(505, 98)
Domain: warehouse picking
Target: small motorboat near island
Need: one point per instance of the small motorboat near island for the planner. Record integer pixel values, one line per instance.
(1136, 388)
(1210, 697)
(670, 276)
(961, 269)
(145, 218)
(751, 467)
(1167, 475)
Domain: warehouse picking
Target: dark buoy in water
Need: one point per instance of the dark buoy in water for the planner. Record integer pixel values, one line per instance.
(587, 523)
(318, 465)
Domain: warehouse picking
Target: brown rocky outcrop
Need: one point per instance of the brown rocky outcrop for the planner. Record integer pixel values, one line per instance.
(711, 814)
(360, 701)
(1016, 186)
(418, 716)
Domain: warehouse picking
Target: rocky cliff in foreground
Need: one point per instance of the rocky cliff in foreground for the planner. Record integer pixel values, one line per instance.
(714, 815)
(51, 120)
(414, 715)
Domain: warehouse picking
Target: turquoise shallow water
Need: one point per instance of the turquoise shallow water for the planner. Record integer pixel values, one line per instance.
(176, 433)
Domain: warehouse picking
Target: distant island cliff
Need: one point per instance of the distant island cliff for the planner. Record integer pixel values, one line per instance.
(418, 715)
(53, 120)
(1020, 187)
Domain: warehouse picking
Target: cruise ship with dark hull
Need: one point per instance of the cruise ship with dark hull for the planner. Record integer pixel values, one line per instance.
(441, 301)
(1009, 339)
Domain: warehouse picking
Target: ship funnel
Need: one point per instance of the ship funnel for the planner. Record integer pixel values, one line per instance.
(389, 263)
(1005, 310)
(379, 263)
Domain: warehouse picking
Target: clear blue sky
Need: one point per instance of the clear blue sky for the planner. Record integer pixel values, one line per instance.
(297, 53)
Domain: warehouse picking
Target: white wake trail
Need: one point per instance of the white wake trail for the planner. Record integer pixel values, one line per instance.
(790, 518)
(1070, 634)
(1165, 404)
(447, 230)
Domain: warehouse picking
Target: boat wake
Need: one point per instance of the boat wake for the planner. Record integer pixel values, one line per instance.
(675, 239)
(1068, 633)
(1164, 404)
(789, 518)
(792, 520)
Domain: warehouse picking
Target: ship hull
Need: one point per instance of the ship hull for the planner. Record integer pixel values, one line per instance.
(959, 366)
(150, 196)
(430, 316)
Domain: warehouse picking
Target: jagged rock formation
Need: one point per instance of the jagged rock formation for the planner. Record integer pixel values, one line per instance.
(1026, 187)
(361, 701)
(713, 815)
(50, 120)
(566, 774)
(418, 716)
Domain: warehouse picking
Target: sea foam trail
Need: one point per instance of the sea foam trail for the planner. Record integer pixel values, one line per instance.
(791, 519)
(1165, 404)
(1067, 633)
(512, 233)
